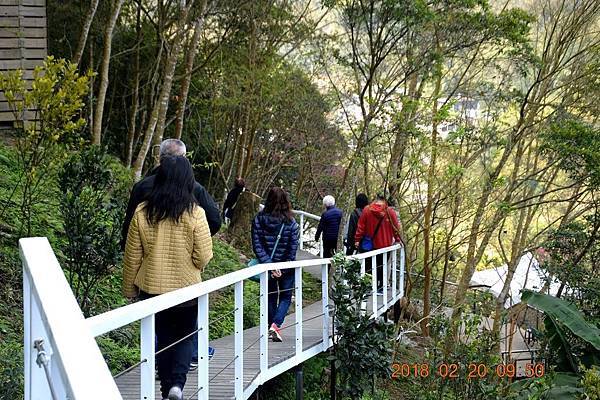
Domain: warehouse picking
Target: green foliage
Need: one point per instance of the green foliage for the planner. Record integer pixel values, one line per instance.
(92, 205)
(565, 327)
(591, 383)
(474, 346)
(576, 146)
(362, 345)
(573, 258)
(55, 100)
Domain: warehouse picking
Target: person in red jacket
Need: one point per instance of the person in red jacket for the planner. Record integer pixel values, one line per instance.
(379, 222)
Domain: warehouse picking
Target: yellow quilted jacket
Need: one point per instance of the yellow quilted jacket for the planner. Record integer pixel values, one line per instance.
(166, 256)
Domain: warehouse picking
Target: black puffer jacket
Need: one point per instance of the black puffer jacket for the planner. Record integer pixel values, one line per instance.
(265, 229)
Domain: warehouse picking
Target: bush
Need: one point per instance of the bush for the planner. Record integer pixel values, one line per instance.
(362, 346)
(92, 205)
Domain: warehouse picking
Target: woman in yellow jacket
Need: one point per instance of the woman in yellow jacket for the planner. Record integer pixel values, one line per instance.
(168, 246)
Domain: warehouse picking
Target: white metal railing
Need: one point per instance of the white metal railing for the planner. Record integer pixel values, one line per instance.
(77, 367)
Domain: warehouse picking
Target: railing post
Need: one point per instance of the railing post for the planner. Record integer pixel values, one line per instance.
(385, 279)
(27, 334)
(402, 257)
(147, 351)
(298, 285)
(321, 252)
(395, 275)
(239, 340)
(264, 328)
(203, 389)
(363, 272)
(325, 303)
(301, 231)
(374, 283)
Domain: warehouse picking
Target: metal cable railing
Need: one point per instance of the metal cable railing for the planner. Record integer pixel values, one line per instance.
(132, 367)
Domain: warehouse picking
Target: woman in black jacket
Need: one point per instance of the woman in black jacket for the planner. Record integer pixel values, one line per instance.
(275, 228)
(361, 202)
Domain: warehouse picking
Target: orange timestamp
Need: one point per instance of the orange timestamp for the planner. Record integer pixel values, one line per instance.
(474, 370)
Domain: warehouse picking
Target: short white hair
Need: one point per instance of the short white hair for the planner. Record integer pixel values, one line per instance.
(328, 201)
(172, 147)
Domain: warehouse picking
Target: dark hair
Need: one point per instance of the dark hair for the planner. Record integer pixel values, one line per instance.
(278, 204)
(239, 182)
(173, 190)
(391, 202)
(380, 196)
(361, 201)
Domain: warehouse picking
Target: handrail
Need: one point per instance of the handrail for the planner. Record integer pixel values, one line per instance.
(77, 366)
(114, 319)
(53, 316)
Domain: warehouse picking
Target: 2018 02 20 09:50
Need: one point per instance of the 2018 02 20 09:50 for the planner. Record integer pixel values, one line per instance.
(474, 370)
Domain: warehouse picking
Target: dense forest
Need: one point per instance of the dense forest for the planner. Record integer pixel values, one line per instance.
(477, 119)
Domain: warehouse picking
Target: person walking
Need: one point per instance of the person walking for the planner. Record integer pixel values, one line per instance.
(379, 223)
(232, 198)
(275, 238)
(142, 189)
(360, 202)
(168, 246)
(329, 226)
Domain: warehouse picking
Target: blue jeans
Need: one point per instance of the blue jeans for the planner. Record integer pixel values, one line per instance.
(280, 296)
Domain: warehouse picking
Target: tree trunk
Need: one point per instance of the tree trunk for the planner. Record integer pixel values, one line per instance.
(131, 133)
(427, 259)
(189, 67)
(157, 117)
(238, 232)
(85, 31)
(97, 127)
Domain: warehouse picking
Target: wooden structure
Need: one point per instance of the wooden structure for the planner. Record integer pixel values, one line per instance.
(23, 43)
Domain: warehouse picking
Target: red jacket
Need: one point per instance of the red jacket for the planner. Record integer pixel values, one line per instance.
(388, 231)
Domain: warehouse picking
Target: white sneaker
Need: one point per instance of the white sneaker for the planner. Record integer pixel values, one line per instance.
(175, 393)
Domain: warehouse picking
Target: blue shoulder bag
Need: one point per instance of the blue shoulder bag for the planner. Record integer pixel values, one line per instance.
(366, 243)
(255, 261)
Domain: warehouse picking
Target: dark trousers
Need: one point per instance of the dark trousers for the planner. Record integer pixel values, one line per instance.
(379, 263)
(329, 248)
(280, 296)
(171, 325)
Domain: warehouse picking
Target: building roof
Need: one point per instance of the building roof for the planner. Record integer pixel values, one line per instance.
(528, 275)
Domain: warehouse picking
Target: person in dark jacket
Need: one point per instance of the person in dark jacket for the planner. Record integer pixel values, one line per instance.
(329, 226)
(276, 217)
(360, 202)
(232, 197)
(142, 189)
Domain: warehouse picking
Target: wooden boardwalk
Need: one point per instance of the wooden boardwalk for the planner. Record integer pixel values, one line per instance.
(221, 367)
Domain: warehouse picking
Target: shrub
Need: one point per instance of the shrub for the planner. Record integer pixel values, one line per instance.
(92, 206)
(362, 346)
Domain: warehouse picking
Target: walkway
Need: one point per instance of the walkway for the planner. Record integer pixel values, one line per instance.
(243, 361)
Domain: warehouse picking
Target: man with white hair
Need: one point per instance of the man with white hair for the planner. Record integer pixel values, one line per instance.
(329, 225)
(139, 192)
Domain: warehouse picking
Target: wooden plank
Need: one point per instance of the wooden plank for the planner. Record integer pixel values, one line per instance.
(10, 54)
(8, 65)
(34, 53)
(9, 11)
(23, 43)
(32, 22)
(26, 11)
(35, 3)
(15, 32)
(9, 22)
(8, 116)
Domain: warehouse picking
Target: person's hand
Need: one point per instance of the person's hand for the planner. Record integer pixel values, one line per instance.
(276, 273)
(356, 244)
